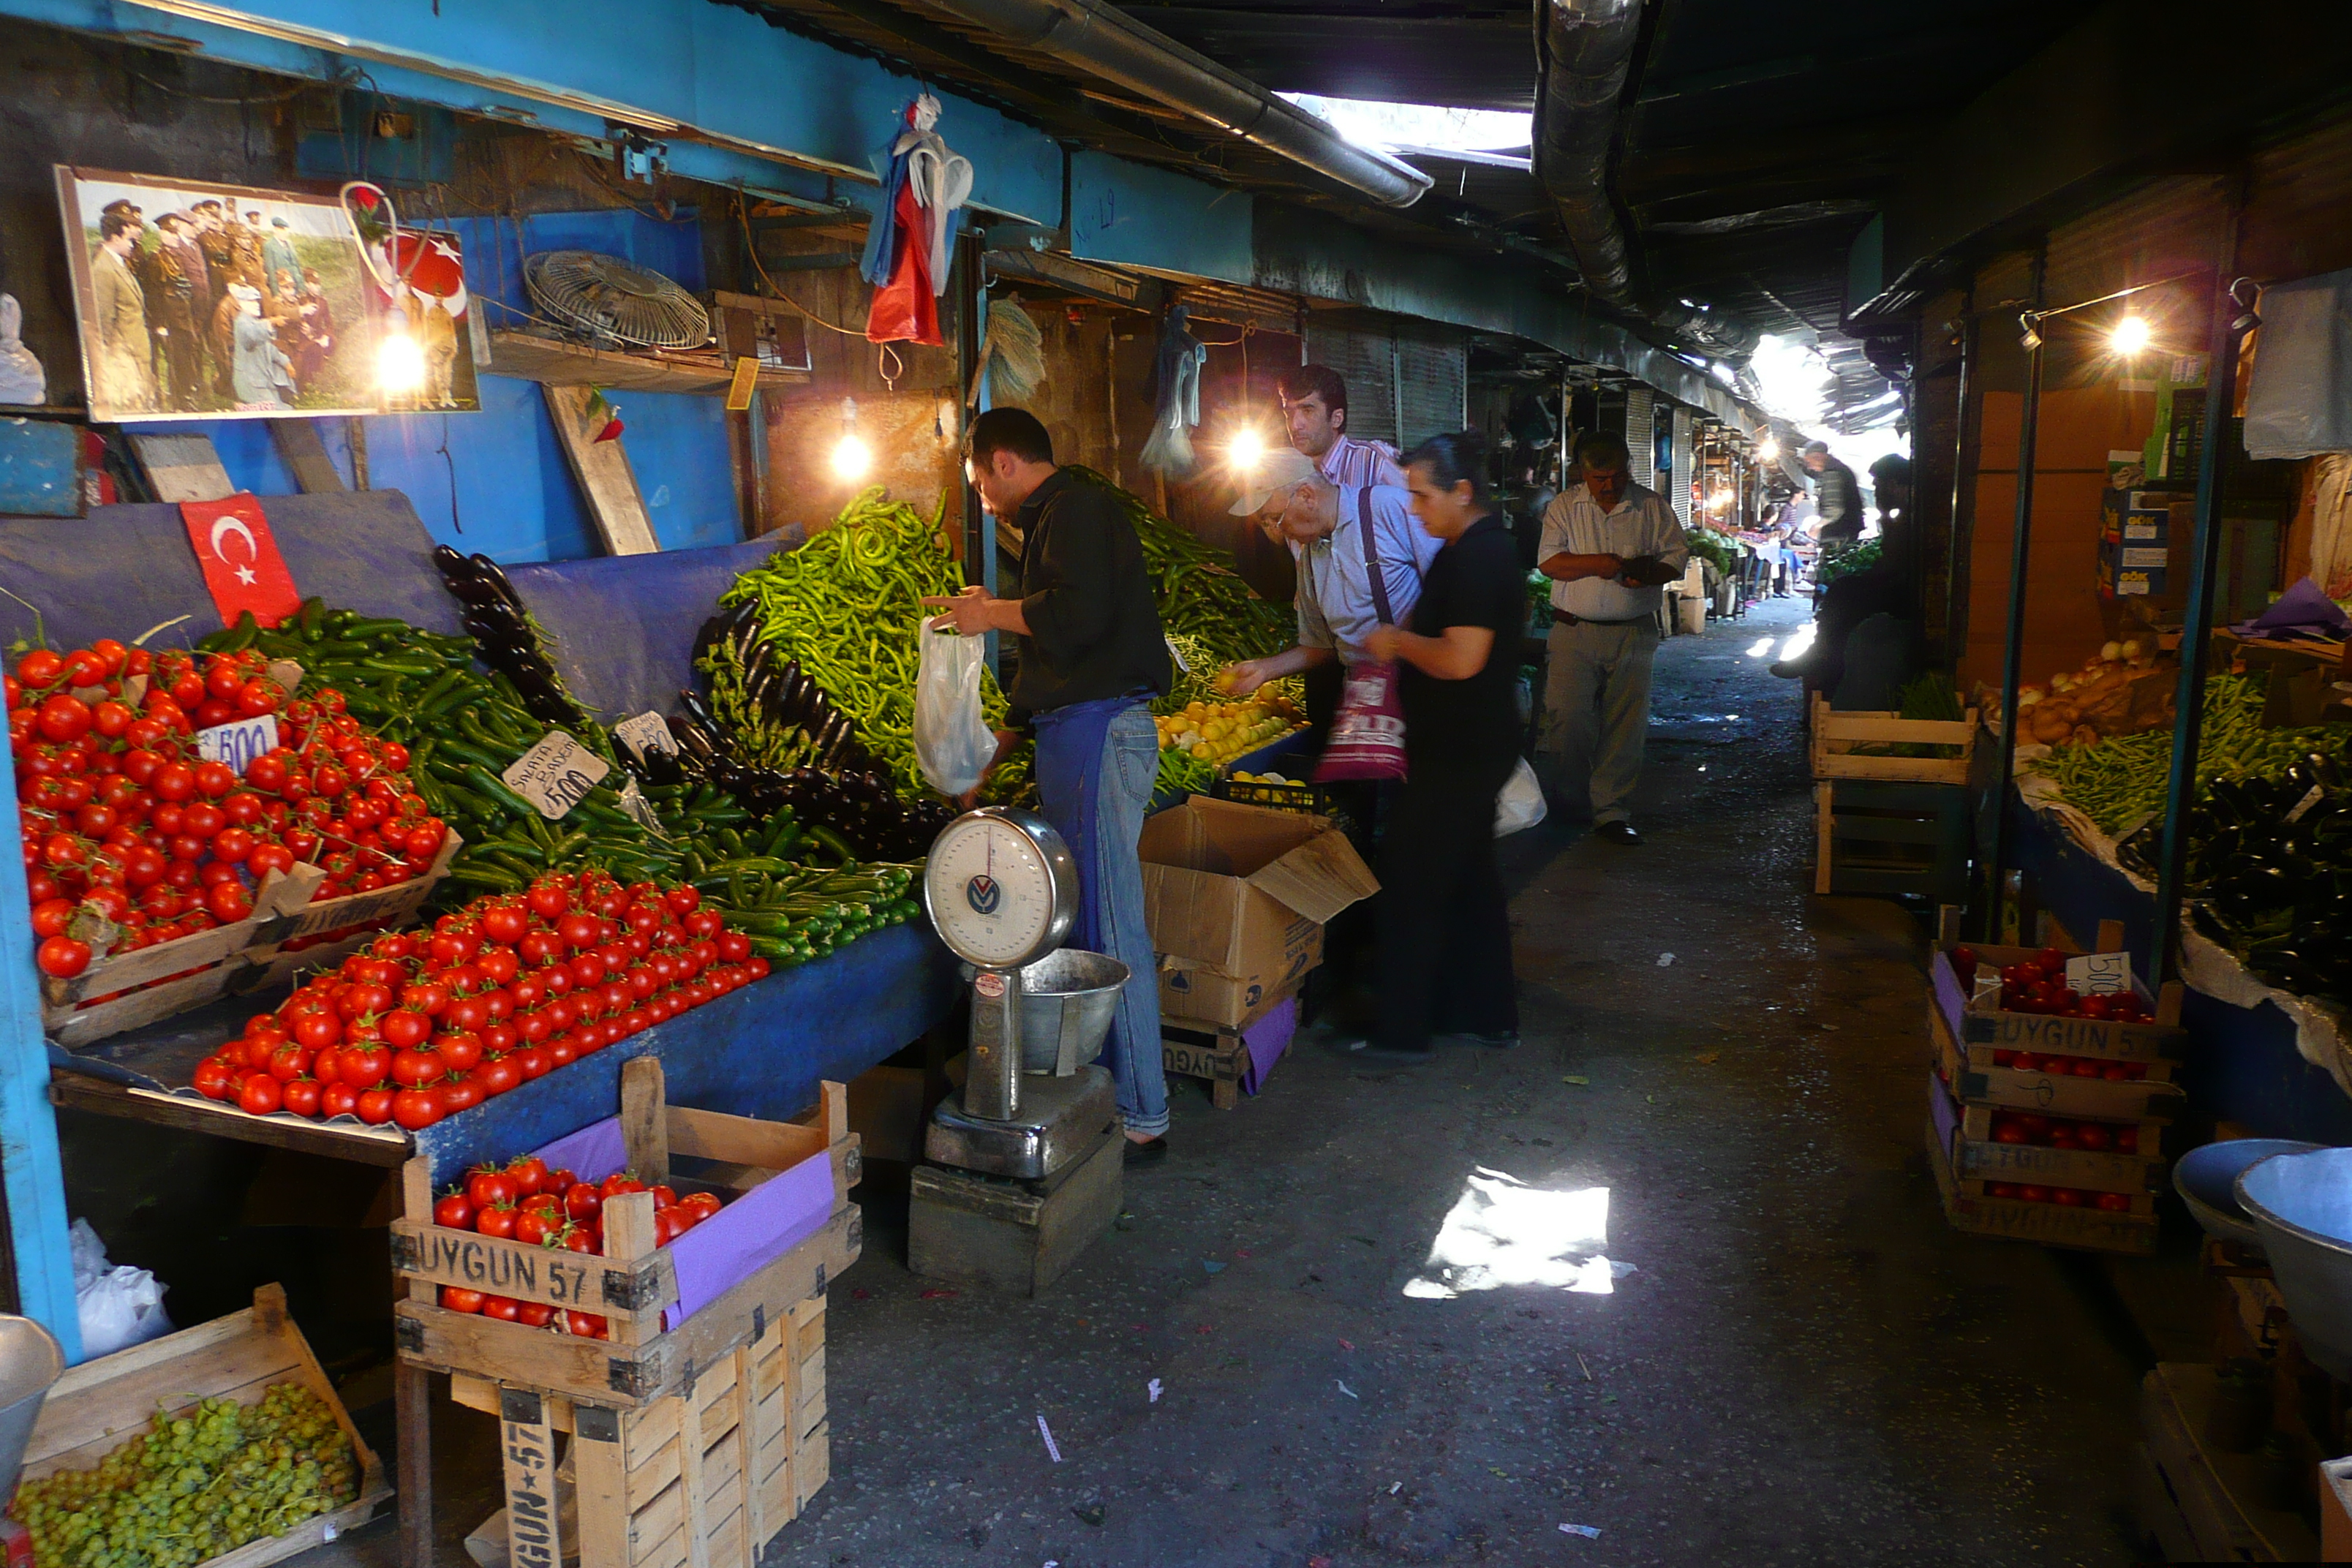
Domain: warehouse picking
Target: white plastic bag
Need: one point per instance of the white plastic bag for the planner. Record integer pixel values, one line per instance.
(118, 1307)
(1521, 804)
(953, 744)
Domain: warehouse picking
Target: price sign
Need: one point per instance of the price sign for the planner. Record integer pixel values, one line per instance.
(239, 742)
(286, 674)
(2100, 974)
(640, 809)
(556, 774)
(646, 733)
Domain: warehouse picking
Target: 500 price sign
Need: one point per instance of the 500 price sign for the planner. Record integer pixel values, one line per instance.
(237, 744)
(556, 774)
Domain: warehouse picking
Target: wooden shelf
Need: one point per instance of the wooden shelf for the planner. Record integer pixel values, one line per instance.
(527, 357)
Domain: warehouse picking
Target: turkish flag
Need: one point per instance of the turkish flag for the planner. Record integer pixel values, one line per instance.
(242, 566)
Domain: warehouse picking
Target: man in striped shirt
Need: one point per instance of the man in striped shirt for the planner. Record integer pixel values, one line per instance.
(1315, 411)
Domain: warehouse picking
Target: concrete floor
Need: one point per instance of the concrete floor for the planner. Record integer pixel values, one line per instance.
(1806, 1365)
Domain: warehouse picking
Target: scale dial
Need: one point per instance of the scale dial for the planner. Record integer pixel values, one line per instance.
(1001, 887)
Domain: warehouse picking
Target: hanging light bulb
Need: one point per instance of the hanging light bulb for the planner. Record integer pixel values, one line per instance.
(1769, 452)
(1246, 450)
(2130, 335)
(399, 365)
(852, 458)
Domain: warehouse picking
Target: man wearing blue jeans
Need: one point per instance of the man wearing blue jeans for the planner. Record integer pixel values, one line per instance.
(1092, 657)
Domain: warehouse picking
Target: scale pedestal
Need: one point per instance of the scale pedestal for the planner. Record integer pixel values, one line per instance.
(1059, 1119)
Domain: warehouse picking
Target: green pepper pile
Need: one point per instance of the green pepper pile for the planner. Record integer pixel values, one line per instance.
(2120, 782)
(847, 607)
(793, 913)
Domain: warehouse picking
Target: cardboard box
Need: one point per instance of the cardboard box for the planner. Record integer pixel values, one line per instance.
(1237, 897)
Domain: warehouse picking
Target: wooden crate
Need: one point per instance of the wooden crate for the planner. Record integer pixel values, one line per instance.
(1980, 1024)
(1198, 1048)
(634, 1280)
(1974, 1079)
(101, 1405)
(2196, 1500)
(155, 982)
(703, 1476)
(1837, 736)
(2049, 1225)
(1884, 840)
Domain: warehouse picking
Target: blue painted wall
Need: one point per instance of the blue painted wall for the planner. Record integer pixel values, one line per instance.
(502, 488)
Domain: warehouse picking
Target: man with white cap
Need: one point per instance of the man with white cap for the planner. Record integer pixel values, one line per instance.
(1339, 536)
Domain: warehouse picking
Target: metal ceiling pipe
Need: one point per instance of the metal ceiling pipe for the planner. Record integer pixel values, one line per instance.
(1586, 51)
(1108, 43)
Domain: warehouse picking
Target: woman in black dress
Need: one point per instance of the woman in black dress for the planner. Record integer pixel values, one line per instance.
(1445, 930)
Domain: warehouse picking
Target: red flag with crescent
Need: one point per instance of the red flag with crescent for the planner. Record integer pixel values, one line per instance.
(242, 566)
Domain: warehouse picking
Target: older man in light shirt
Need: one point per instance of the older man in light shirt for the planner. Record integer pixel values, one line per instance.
(1325, 525)
(1608, 547)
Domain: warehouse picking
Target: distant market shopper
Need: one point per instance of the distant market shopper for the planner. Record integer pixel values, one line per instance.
(1889, 586)
(1314, 412)
(1093, 657)
(1609, 544)
(1445, 922)
(1837, 495)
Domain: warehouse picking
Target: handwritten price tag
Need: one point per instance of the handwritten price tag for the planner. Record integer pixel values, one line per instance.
(239, 742)
(646, 733)
(2100, 974)
(556, 774)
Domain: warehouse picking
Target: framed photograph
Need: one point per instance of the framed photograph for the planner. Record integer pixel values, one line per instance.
(203, 301)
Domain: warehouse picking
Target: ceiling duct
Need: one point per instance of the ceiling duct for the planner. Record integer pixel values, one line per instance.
(1585, 51)
(1108, 43)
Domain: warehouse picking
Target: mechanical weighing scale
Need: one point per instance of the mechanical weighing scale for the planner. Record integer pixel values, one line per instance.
(1024, 1163)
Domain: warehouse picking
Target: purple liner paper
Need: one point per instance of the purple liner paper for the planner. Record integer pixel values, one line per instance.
(592, 1153)
(757, 1227)
(1267, 1040)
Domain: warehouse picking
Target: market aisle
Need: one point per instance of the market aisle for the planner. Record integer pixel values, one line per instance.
(1807, 1365)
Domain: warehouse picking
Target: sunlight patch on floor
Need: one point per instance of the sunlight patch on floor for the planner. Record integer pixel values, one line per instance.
(1504, 1233)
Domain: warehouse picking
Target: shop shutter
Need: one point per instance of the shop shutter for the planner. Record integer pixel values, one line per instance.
(1641, 435)
(1680, 482)
(1432, 382)
(1366, 361)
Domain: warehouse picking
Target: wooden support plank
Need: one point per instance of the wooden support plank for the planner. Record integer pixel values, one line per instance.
(412, 1396)
(645, 1130)
(182, 467)
(601, 1483)
(1824, 830)
(608, 485)
(527, 1451)
(305, 457)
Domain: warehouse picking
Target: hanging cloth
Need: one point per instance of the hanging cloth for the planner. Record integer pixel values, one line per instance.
(1176, 380)
(924, 187)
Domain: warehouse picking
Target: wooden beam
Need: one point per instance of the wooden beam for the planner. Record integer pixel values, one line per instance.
(608, 485)
(305, 456)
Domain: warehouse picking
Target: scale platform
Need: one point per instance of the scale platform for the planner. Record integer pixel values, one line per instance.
(1059, 1119)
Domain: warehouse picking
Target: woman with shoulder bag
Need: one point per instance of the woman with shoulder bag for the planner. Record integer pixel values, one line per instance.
(1445, 932)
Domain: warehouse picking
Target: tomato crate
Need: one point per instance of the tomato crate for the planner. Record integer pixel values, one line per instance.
(1973, 1155)
(129, 990)
(2159, 1037)
(2049, 1225)
(708, 1475)
(1973, 1076)
(671, 1311)
(99, 1405)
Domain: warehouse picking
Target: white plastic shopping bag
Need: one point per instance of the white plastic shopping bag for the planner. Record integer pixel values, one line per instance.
(118, 1307)
(1521, 804)
(953, 744)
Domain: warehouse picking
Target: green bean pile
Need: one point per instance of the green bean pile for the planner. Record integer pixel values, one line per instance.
(1200, 595)
(848, 605)
(2117, 782)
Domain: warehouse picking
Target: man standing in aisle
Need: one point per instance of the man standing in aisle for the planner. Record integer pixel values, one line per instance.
(1315, 411)
(1837, 496)
(1093, 657)
(1608, 545)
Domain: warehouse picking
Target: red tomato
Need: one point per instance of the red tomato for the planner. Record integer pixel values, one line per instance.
(303, 1096)
(583, 1200)
(497, 1220)
(534, 1314)
(506, 1308)
(456, 1211)
(2114, 1203)
(260, 1095)
(497, 1074)
(365, 1065)
(486, 1188)
(416, 1108)
(533, 1227)
(404, 1029)
(532, 1061)
(529, 1173)
(461, 1300)
(619, 1182)
(666, 1226)
(410, 1069)
(460, 1092)
(587, 1325)
(62, 957)
(339, 1100)
(547, 901)
(682, 901)
(212, 1079)
(702, 1205)
(504, 922)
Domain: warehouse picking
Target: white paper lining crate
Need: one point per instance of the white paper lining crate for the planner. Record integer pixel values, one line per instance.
(1838, 737)
(242, 957)
(101, 1405)
(703, 1476)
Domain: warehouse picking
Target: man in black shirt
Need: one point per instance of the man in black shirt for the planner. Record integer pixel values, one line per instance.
(1092, 657)
(1837, 495)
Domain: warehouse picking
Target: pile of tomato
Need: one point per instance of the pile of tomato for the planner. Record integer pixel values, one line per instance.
(416, 1026)
(2064, 1198)
(2072, 1067)
(2060, 1132)
(524, 1201)
(2039, 985)
(131, 840)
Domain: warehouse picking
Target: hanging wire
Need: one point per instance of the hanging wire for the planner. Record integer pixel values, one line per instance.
(889, 366)
(743, 215)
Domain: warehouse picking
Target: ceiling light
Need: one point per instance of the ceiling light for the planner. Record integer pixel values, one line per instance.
(1245, 451)
(2130, 335)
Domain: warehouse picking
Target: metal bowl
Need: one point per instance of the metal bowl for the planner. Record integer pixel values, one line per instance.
(1066, 1002)
(2301, 1204)
(31, 1360)
(2206, 1178)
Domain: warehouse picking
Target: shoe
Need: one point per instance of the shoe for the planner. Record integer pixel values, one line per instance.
(1500, 1040)
(1618, 832)
(1788, 669)
(1150, 1151)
